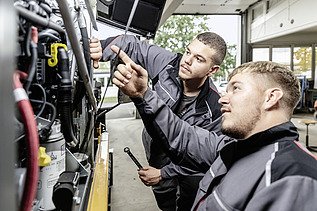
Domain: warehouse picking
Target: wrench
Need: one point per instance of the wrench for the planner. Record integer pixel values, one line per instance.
(127, 150)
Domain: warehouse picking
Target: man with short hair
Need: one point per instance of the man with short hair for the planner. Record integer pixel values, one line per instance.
(183, 82)
(257, 164)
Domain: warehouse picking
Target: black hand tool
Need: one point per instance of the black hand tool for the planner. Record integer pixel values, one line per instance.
(127, 150)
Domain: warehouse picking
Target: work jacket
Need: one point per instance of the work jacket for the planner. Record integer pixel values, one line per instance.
(162, 67)
(267, 171)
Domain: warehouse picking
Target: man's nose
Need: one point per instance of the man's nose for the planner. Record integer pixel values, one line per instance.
(223, 98)
(188, 59)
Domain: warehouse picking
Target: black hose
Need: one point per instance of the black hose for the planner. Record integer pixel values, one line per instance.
(85, 39)
(46, 131)
(32, 68)
(49, 33)
(80, 87)
(65, 98)
(43, 101)
(36, 19)
(87, 136)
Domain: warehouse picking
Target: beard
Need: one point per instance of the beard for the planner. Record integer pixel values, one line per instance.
(242, 127)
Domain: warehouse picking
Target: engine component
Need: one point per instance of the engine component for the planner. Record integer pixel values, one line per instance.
(32, 145)
(53, 68)
(55, 148)
(65, 190)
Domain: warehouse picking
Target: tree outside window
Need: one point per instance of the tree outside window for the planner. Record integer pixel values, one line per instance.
(179, 30)
(302, 61)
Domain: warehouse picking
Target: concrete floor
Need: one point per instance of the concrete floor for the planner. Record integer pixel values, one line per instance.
(312, 129)
(128, 192)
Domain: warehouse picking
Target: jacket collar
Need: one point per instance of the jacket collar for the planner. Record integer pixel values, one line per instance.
(207, 87)
(237, 149)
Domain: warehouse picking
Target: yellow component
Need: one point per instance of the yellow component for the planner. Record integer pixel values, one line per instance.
(98, 197)
(44, 159)
(99, 134)
(52, 62)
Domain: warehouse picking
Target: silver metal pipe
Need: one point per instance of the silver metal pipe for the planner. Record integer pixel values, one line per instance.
(70, 29)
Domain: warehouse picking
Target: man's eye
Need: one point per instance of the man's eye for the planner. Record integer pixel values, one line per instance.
(187, 52)
(199, 59)
(235, 87)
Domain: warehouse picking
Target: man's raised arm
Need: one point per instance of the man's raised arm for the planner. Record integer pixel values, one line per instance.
(187, 145)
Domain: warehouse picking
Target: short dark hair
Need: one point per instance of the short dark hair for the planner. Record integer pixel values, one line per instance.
(215, 42)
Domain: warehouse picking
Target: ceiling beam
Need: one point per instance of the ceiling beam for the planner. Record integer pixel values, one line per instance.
(169, 9)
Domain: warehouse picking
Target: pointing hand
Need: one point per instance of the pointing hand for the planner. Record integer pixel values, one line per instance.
(131, 78)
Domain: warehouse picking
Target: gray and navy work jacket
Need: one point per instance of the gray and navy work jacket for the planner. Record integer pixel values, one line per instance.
(163, 67)
(267, 171)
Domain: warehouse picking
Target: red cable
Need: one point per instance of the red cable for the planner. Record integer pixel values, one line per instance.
(32, 137)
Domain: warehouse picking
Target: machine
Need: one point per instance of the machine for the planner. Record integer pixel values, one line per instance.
(56, 132)
(62, 159)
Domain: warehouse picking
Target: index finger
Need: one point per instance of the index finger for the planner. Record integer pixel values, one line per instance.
(123, 56)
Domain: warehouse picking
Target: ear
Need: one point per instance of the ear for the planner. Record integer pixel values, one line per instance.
(272, 98)
(213, 69)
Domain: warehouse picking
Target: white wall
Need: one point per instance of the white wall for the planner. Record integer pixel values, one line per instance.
(288, 16)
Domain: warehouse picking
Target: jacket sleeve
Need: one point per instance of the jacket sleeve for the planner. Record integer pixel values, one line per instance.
(171, 170)
(186, 145)
(153, 58)
(289, 193)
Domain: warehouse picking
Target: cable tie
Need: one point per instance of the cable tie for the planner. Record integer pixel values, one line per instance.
(20, 94)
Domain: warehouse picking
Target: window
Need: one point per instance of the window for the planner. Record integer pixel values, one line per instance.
(272, 4)
(257, 12)
(102, 81)
(282, 56)
(260, 54)
(302, 61)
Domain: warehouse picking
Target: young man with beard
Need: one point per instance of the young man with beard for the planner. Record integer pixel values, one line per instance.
(258, 163)
(183, 83)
